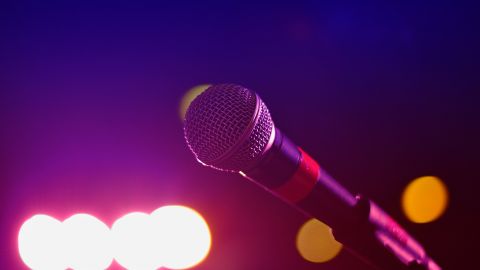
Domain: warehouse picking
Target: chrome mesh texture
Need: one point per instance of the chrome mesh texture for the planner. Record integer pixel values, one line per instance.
(226, 129)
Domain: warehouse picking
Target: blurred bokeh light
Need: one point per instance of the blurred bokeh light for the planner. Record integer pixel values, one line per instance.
(175, 237)
(133, 244)
(184, 236)
(40, 243)
(189, 96)
(315, 242)
(87, 241)
(425, 199)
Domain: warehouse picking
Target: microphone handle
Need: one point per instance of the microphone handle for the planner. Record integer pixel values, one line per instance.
(367, 231)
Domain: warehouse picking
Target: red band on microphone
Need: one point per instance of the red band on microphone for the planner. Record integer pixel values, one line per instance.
(302, 182)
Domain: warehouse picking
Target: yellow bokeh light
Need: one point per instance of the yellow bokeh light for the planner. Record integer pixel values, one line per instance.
(315, 242)
(425, 199)
(189, 96)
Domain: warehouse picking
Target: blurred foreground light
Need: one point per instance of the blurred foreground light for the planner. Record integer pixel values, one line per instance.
(189, 96)
(175, 237)
(40, 243)
(134, 246)
(315, 242)
(87, 242)
(425, 199)
(184, 236)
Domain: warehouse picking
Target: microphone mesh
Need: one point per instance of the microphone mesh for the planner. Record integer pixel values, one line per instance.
(228, 127)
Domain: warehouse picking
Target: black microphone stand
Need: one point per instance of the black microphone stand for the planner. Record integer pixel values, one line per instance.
(381, 243)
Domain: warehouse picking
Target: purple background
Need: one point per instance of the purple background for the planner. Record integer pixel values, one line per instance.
(378, 93)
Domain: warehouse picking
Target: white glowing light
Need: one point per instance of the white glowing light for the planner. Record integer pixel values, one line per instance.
(87, 242)
(174, 237)
(133, 245)
(40, 243)
(183, 235)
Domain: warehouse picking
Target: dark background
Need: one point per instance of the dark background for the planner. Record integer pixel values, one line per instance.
(378, 93)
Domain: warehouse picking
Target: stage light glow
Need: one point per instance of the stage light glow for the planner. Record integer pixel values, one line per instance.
(189, 96)
(133, 244)
(184, 236)
(315, 242)
(87, 242)
(40, 243)
(425, 199)
(174, 237)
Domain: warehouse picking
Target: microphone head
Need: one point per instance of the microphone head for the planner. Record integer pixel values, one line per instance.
(228, 127)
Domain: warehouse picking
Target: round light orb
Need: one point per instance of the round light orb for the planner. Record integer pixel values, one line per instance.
(133, 244)
(183, 234)
(40, 243)
(87, 243)
(425, 199)
(315, 242)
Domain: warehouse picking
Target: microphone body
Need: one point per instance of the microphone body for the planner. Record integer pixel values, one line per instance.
(291, 174)
(229, 128)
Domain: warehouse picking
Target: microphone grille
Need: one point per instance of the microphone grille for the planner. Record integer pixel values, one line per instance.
(228, 127)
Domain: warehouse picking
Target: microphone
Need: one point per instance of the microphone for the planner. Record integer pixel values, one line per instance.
(229, 128)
